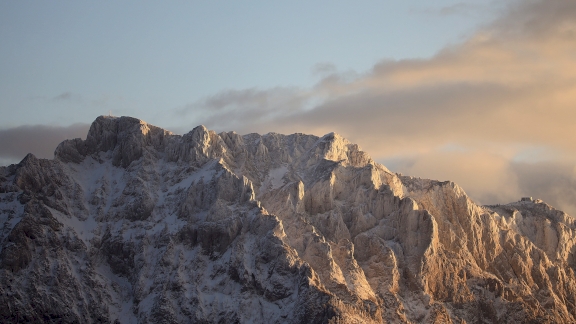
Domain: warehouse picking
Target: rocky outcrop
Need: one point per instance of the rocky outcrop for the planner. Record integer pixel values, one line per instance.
(137, 225)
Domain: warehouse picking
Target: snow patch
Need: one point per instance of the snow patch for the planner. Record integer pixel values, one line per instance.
(275, 178)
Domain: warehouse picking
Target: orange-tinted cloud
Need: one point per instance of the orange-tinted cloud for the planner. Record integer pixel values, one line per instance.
(510, 88)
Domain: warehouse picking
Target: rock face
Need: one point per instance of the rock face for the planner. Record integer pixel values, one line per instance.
(137, 225)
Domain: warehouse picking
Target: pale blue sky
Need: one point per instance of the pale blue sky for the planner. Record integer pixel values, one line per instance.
(63, 62)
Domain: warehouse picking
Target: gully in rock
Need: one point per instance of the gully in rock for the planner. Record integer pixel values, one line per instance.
(137, 225)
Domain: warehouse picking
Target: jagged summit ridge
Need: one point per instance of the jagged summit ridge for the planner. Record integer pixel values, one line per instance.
(128, 137)
(137, 224)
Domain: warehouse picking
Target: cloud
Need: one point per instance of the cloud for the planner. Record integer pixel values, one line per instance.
(231, 109)
(509, 89)
(491, 178)
(68, 98)
(63, 96)
(324, 69)
(40, 140)
(460, 8)
(552, 181)
(465, 9)
(534, 21)
(486, 176)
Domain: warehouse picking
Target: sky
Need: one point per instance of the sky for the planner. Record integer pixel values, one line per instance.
(480, 92)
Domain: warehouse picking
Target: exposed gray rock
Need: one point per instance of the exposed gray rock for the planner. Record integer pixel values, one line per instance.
(137, 225)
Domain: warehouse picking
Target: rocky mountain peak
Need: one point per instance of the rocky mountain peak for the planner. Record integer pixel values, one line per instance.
(127, 137)
(341, 150)
(137, 225)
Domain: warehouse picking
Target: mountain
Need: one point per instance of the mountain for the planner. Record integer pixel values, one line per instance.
(138, 225)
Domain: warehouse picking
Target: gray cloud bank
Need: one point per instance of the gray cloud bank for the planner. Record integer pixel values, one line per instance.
(494, 113)
(40, 140)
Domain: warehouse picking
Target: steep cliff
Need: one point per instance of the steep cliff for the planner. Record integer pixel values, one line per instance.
(138, 225)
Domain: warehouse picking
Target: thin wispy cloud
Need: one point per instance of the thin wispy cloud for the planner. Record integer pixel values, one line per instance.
(324, 69)
(229, 109)
(63, 96)
(68, 98)
(464, 9)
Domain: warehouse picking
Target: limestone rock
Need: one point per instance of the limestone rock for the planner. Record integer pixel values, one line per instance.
(138, 225)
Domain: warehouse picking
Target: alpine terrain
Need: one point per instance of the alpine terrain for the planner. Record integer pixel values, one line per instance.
(138, 225)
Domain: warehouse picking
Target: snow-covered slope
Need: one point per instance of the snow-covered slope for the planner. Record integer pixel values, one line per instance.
(138, 225)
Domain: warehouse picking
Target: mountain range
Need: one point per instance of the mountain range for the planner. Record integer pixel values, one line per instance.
(135, 224)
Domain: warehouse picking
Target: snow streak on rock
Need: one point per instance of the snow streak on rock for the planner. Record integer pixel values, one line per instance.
(138, 225)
